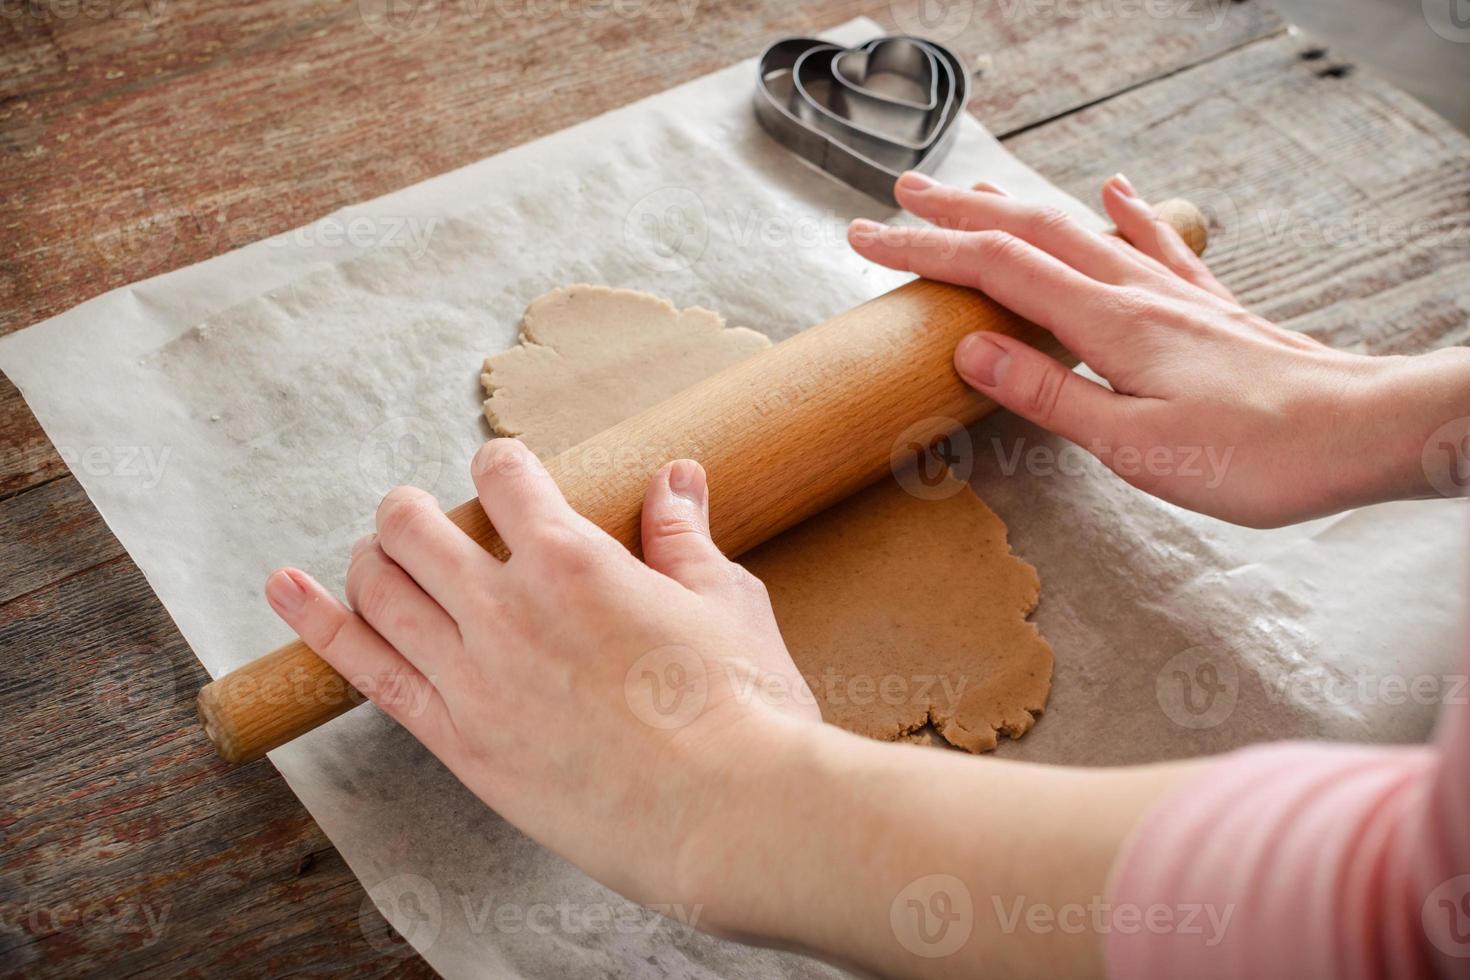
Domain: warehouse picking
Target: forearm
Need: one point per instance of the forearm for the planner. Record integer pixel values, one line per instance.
(910, 861)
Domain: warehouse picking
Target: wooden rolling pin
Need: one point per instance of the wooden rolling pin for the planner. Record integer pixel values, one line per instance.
(782, 435)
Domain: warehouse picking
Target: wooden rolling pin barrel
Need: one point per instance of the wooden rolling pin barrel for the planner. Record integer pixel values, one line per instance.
(782, 435)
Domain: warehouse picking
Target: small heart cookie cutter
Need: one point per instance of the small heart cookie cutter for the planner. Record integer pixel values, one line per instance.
(863, 114)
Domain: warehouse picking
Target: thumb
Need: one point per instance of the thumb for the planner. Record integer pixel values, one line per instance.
(676, 538)
(1038, 388)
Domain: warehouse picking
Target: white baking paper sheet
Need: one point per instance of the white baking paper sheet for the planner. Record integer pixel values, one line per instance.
(266, 398)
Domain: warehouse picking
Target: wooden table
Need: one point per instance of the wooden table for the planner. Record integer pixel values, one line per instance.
(139, 136)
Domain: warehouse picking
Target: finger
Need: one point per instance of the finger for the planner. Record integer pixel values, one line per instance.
(364, 658)
(1038, 388)
(1085, 314)
(676, 534)
(1142, 228)
(445, 562)
(402, 613)
(519, 496)
(988, 187)
(1048, 228)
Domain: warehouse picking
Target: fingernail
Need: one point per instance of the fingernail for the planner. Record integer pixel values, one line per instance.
(686, 480)
(986, 187)
(981, 361)
(1125, 185)
(912, 180)
(363, 542)
(861, 231)
(284, 592)
(501, 457)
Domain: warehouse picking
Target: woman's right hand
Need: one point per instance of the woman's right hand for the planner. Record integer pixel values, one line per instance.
(1211, 407)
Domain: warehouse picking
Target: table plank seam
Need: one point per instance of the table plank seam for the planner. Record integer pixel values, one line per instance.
(1234, 49)
(74, 573)
(13, 494)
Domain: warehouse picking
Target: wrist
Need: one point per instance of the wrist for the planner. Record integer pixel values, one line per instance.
(747, 824)
(1420, 408)
(825, 831)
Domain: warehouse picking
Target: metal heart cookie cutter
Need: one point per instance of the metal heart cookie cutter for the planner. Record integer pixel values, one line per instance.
(863, 114)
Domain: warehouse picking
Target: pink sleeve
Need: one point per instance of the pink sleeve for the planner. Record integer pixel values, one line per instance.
(1303, 860)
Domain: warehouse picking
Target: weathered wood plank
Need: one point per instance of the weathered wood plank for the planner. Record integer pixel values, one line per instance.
(58, 533)
(26, 455)
(126, 843)
(1342, 205)
(1043, 58)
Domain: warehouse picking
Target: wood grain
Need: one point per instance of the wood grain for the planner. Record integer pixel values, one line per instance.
(1092, 51)
(58, 545)
(27, 457)
(130, 149)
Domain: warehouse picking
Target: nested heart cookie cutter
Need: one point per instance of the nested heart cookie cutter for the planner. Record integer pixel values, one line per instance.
(863, 114)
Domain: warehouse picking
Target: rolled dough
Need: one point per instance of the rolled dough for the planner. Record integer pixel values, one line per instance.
(590, 356)
(900, 612)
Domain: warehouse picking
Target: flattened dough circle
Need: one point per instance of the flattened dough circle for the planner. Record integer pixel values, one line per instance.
(590, 356)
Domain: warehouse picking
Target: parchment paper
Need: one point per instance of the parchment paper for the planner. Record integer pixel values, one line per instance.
(249, 411)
